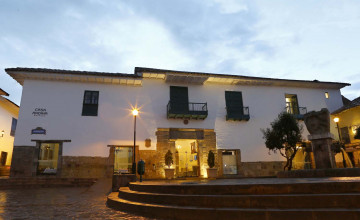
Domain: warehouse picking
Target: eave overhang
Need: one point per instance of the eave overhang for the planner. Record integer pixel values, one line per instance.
(173, 76)
(21, 74)
(3, 93)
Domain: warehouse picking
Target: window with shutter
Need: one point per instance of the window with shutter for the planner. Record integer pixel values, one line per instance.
(90, 103)
(179, 99)
(235, 107)
(13, 127)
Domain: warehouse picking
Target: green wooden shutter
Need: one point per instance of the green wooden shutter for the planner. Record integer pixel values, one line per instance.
(179, 99)
(234, 104)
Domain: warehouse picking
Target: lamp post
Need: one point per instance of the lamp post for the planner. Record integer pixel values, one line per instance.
(336, 120)
(135, 112)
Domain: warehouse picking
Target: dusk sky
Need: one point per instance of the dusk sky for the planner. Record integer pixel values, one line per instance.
(281, 39)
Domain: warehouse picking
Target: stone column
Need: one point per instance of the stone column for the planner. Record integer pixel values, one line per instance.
(321, 146)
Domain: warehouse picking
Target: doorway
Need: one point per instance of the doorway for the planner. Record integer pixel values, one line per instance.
(48, 159)
(187, 158)
(3, 158)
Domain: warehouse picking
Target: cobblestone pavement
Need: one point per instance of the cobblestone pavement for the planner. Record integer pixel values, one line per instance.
(60, 203)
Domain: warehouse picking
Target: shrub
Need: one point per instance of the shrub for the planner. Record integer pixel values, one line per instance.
(211, 159)
(169, 159)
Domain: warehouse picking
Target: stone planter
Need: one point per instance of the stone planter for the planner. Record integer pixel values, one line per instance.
(211, 172)
(169, 173)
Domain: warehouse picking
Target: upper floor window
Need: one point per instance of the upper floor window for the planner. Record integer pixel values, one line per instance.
(180, 107)
(234, 106)
(90, 103)
(292, 106)
(13, 126)
(326, 95)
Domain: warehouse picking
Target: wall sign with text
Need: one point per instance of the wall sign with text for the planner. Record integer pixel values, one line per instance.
(38, 130)
(40, 112)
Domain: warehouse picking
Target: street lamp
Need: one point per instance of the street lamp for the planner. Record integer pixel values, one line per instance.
(135, 112)
(336, 120)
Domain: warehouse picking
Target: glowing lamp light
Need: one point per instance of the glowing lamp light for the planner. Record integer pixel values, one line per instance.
(135, 112)
(336, 119)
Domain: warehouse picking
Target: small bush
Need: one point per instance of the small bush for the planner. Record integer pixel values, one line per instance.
(168, 159)
(211, 159)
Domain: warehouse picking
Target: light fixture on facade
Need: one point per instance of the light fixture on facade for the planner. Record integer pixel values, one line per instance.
(336, 120)
(353, 129)
(2, 133)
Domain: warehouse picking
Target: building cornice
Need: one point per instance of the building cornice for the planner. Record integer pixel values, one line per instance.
(21, 74)
(174, 76)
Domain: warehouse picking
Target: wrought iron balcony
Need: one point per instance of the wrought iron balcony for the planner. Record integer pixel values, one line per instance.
(297, 112)
(241, 114)
(188, 110)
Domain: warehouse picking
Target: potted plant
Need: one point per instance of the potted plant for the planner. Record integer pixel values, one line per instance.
(211, 172)
(169, 173)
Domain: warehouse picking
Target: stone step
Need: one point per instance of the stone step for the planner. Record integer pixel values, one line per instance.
(199, 213)
(245, 201)
(250, 189)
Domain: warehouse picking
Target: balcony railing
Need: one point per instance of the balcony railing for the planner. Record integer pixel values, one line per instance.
(297, 112)
(238, 115)
(188, 110)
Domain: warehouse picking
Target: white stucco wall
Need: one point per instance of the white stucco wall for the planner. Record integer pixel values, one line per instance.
(114, 124)
(7, 141)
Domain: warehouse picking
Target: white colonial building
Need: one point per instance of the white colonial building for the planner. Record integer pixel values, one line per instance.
(79, 123)
(8, 118)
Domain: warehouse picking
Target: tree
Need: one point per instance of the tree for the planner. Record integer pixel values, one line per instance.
(283, 136)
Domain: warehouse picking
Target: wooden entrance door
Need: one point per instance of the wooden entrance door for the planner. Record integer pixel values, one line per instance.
(3, 158)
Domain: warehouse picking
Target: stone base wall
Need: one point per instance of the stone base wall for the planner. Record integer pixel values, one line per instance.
(86, 167)
(24, 161)
(261, 168)
(154, 161)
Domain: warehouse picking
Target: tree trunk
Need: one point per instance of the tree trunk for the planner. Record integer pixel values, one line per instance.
(287, 164)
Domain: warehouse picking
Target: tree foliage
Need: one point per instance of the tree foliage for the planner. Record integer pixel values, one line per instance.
(283, 136)
(169, 159)
(211, 159)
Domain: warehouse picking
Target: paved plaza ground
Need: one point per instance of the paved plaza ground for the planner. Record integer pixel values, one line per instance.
(60, 203)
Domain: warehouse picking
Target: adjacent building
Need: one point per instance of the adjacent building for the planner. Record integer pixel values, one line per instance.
(8, 119)
(80, 123)
(349, 121)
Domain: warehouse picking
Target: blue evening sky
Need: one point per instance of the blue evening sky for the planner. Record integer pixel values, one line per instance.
(283, 39)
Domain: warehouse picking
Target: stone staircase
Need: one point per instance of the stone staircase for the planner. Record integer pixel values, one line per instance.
(329, 200)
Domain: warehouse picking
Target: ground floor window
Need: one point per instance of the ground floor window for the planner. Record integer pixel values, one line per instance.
(48, 158)
(229, 162)
(123, 159)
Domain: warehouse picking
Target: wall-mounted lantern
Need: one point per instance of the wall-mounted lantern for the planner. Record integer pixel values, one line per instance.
(2, 133)
(148, 142)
